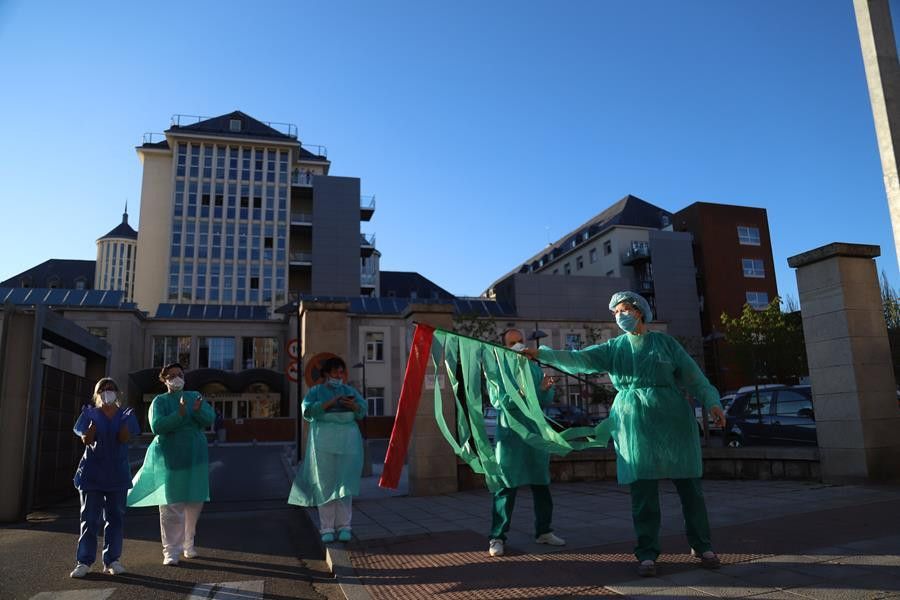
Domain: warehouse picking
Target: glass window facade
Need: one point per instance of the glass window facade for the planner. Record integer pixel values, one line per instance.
(171, 348)
(216, 353)
(259, 352)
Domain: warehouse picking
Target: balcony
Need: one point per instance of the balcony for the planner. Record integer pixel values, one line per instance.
(368, 280)
(303, 259)
(302, 178)
(638, 253)
(366, 207)
(301, 219)
(367, 245)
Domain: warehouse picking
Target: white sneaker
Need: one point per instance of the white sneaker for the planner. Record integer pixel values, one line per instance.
(80, 571)
(114, 568)
(190, 553)
(170, 561)
(496, 548)
(550, 538)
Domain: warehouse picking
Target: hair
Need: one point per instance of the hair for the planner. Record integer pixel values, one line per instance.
(96, 397)
(173, 365)
(509, 330)
(335, 362)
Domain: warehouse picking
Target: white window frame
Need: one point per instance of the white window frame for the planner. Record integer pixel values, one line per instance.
(373, 345)
(749, 266)
(746, 236)
(753, 299)
(373, 401)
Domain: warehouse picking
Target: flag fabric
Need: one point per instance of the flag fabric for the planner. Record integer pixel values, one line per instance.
(480, 374)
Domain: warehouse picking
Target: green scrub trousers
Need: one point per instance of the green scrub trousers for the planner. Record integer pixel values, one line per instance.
(505, 502)
(646, 516)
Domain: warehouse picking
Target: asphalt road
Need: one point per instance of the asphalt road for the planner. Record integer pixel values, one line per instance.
(251, 544)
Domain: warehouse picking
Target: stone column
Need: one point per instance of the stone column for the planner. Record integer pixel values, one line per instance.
(324, 327)
(431, 461)
(854, 392)
(879, 54)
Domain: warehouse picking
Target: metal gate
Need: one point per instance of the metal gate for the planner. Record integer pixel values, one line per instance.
(62, 396)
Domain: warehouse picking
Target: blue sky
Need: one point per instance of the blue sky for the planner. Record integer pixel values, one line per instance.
(483, 128)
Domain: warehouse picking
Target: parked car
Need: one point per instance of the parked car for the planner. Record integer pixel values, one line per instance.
(563, 416)
(774, 415)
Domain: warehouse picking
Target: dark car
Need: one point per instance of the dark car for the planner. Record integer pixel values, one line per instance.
(563, 416)
(777, 416)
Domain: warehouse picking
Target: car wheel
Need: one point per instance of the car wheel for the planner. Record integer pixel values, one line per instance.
(734, 442)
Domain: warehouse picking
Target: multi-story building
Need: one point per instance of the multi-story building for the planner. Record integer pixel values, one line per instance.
(733, 254)
(237, 211)
(630, 245)
(116, 255)
(56, 273)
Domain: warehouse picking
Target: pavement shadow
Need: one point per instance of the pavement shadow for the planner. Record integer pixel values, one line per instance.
(145, 583)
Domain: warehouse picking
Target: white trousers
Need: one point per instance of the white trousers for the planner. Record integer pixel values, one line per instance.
(335, 515)
(177, 526)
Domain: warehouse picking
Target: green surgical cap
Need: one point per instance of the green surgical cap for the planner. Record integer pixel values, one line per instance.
(635, 300)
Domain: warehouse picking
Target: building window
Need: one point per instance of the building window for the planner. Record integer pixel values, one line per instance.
(758, 300)
(234, 125)
(375, 399)
(753, 267)
(607, 248)
(573, 341)
(567, 269)
(170, 348)
(260, 352)
(217, 353)
(592, 255)
(374, 346)
(748, 236)
(80, 283)
(100, 332)
(579, 263)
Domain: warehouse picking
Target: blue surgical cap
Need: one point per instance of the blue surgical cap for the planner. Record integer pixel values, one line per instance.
(635, 300)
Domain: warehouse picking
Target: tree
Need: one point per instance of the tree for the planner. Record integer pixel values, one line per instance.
(482, 328)
(890, 303)
(768, 343)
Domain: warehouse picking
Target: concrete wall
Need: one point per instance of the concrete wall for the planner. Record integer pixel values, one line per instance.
(155, 233)
(335, 237)
(675, 284)
(538, 297)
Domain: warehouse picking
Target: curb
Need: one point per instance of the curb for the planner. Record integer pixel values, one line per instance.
(338, 560)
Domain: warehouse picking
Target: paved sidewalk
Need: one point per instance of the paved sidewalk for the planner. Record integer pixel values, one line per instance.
(776, 539)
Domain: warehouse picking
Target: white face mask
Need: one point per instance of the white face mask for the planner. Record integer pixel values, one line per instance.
(518, 347)
(175, 384)
(108, 397)
(334, 382)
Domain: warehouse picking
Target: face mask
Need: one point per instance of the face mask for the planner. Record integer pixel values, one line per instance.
(626, 322)
(518, 347)
(175, 384)
(334, 382)
(108, 397)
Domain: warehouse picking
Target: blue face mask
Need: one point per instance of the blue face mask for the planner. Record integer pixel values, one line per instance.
(626, 322)
(334, 382)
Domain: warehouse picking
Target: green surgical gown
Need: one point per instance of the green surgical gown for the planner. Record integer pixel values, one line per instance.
(176, 465)
(333, 463)
(521, 463)
(651, 421)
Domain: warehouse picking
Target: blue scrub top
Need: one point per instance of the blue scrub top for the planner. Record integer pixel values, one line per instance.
(104, 465)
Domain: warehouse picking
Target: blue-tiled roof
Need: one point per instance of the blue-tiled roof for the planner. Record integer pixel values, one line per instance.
(63, 297)
(213, 312)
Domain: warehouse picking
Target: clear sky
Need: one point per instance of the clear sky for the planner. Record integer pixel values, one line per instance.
(484, 128)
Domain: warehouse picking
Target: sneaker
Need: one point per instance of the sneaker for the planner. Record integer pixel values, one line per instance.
(708, 560)
(80, 571)
(647, 568)
(344, 535)
(327, 538)
(190, 553)
(170, 561)
(114, 568)
(550, 538)
(496, 548)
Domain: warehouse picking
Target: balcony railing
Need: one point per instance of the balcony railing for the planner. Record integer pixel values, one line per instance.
(288, 129)
(368, 240)
(367, 202)
(300, 257)
(368, 279)
(152, 137)
(639, 251)
(300, 218)
(303, 178)
(316, 149)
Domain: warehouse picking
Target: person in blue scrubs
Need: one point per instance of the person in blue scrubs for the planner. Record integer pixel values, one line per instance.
(103, 477)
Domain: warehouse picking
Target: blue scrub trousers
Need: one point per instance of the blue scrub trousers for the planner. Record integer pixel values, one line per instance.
(95, 508)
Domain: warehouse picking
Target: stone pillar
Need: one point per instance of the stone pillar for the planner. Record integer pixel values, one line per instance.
(431, 461)
(324, 327)
(854, 392)
(879, 53)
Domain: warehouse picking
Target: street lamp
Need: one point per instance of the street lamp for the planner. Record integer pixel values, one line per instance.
(536, 335)
(362, 365)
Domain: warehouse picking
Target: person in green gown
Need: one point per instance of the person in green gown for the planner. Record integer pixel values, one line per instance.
(330, 474)
(651, 422)
(175, 473)
(521, 464)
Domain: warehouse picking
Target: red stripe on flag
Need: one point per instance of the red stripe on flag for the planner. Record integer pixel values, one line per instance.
(407, 406)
